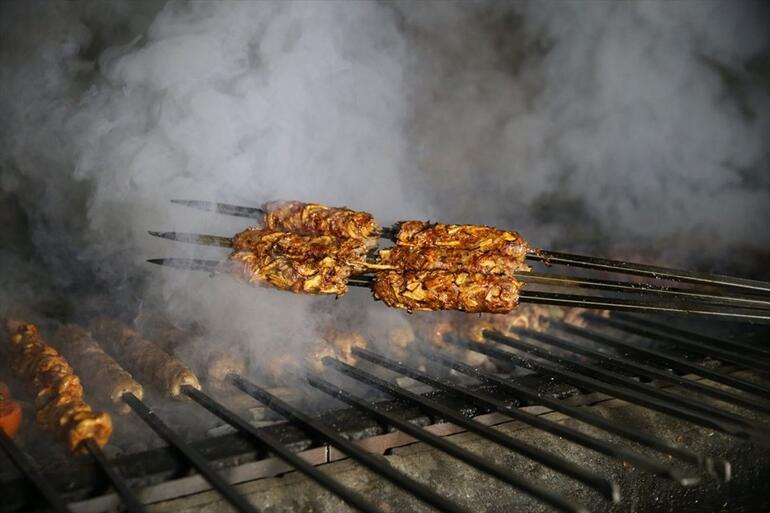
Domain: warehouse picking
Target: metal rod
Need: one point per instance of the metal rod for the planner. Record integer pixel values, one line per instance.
(130, 500)
(442, 444)
(636, 305)
(191, 455)
(705, 340)
(274, 446)
(620, 379)
(223, 208)
(720, 354)
(717, 468)
(195, 238)
(684, 365)
(30, 471)
(625, 392)
(603, 485)
(573, 435)
(647, 370)
(546, 298)
(651, 271)
(355, 452)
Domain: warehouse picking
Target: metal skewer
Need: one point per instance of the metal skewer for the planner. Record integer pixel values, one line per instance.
(223, 208)
(548, 298)
(30, 471)
(646, 289)
(192, 456)
(130, 501)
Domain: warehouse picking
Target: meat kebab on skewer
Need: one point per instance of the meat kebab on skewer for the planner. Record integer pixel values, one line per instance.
(316, 219)
(59, 401)
(143, 357)
(435, 258)
(99, 370)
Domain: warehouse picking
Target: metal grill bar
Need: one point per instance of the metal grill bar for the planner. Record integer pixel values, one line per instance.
(677, 363)
(663, 375)
(546, 425)
(30, 471)
(280, 450)
(442, 444)
(714, 352)
(192, 456)
(331, 436)
(707, 340)
(130, 500)
(716, 467)
(749, 428)
(626, 393)
(606, 487)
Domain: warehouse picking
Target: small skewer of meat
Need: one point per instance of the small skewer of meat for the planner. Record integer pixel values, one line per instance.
(442, 290)
(315, 219)
(309, 276)
(99, 370)
(461, 236)
(59, 402)
(276, 243)
(145, 358)
(435, 258)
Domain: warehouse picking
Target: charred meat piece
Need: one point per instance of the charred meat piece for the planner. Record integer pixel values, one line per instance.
(309, 276)
(99, 369)
(145, 358)
(427, 258)
(59, 402)
(315, 219)
(442, 290)
(461, 236)
(302, 247)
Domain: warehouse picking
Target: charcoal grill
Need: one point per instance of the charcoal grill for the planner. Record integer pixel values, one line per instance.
(710, 387)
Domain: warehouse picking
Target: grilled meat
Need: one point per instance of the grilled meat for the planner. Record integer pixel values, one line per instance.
(220, 363)
(309, 276)
(442, 290)
(302, 247)
(314, 219)
(435, 258)
(144, 357)
(461, 236)
(59, 402)
(99, 369)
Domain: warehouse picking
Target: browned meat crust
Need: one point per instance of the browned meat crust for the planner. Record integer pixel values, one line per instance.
(99, 369)
(426, 258)
(442, 290)
(462, 236)
(308, 276)
(146, 359)
(59, 402)
(314, 219)
(302, 247)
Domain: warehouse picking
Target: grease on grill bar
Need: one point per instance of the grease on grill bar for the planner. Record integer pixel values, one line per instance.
(549, 355)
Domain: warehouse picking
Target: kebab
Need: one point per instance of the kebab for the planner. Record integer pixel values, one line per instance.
(436, 258)
(59, 401)
(146, 358)
(99, 369)
(443, 290)
(315, 219)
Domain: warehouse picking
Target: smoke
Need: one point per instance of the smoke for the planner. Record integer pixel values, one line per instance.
(583, 125)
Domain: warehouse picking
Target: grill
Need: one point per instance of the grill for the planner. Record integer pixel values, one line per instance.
(666, 371)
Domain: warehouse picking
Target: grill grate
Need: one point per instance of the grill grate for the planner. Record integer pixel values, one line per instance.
(610, 365)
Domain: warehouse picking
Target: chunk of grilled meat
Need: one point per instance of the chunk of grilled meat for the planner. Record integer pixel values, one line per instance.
(302, 247)
(220, 364)
(315, 219)
(461, 236)
(434, 258)
(443, 290)
(308, 276)
(146, 359)
(99, 370)
(59, 402)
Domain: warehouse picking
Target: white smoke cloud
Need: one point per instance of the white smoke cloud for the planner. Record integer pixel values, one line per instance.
(579, 124)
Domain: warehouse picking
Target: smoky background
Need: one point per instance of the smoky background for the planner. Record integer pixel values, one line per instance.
(627, 129)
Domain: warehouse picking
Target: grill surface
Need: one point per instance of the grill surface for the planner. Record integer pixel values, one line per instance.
(659, 369)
